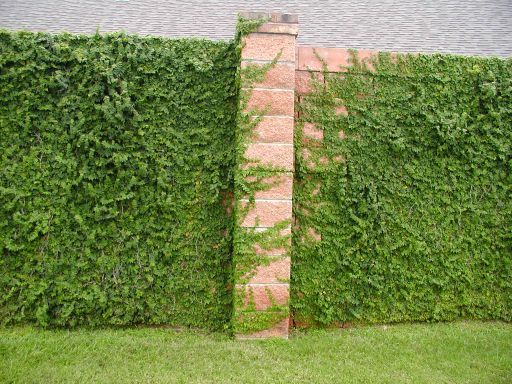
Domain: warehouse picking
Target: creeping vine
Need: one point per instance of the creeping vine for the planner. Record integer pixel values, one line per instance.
(404, 203)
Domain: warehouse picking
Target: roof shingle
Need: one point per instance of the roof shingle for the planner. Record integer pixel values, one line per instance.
(475, 27)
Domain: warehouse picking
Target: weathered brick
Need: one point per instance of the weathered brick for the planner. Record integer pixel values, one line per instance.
(277, 271)
(272, 129)
(266, 46)
(267, 213)
(272, 102)
(277, 155)
(280, 76)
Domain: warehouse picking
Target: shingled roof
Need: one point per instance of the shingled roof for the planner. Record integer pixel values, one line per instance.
(474, 27)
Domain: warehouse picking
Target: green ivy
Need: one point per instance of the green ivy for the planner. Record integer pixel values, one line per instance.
(116, 171)
(121, 158)
(410, 191)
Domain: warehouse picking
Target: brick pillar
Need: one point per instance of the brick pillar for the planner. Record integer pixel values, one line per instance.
(267, 290)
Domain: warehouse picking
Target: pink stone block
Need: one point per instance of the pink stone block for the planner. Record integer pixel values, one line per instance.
(281, 76)
(304, 79)
(311, 131)
(276, 155)
(335, 58)
(277, 271)
(272, 102)
(341, 110)
(265, 46)
(267, 213)
(271, 129)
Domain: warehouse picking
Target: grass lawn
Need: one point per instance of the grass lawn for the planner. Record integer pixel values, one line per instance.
(463, 352)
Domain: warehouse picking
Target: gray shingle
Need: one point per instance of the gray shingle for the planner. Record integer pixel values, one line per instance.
(476, 27)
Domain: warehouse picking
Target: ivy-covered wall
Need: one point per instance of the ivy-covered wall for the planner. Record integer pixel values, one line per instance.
(403, 192)
(122, 157)
(116, 155)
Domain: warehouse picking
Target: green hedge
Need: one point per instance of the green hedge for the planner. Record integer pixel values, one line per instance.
(116, 153)
(414, 201)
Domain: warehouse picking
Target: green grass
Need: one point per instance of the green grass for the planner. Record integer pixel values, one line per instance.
(464, 352)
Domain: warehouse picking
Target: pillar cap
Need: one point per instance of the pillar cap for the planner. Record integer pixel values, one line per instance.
(279, 23)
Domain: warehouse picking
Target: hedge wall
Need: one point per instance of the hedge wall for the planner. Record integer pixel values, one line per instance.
(116, 154)
(410, 191)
